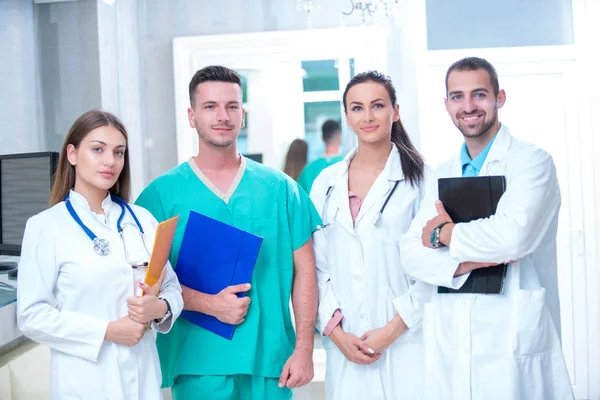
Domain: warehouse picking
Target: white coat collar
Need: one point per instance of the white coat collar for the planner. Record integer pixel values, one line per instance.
(392, 170)
(81, 202)
(391, 173)
(498, 152)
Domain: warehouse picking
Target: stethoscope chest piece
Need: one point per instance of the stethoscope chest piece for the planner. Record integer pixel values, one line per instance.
(101, 247)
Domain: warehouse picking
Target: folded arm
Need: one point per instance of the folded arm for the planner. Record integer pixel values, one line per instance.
(524, 214)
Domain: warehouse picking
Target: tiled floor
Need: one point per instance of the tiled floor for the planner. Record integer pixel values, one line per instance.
(312, 391)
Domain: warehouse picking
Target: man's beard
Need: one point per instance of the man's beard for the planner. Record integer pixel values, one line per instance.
(484, 127)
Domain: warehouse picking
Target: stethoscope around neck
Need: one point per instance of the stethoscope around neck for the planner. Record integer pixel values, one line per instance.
(102, 246)
(376, 218)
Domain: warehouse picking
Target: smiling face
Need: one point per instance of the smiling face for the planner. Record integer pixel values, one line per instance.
(472, 103)
(99, 158)
(370, 112)
(217, 114)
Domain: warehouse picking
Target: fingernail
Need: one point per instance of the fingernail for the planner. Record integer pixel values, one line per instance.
(247, 286)
(280, 385)
(371, 350)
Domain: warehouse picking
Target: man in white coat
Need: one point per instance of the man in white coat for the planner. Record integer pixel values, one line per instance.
(498, 346)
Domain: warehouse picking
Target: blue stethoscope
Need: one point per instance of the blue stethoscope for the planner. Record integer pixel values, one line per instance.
(102, 246)
(377, 217)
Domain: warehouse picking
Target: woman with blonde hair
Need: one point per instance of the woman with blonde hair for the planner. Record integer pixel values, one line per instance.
(82, 261)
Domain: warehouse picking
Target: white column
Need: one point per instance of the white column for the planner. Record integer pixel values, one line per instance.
(120, 79)
(407, 46)
(275, 96)
(586, 14)
(19, 100)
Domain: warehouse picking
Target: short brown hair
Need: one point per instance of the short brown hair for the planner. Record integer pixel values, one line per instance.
(64, 179)
(475, 64)
(212, 73)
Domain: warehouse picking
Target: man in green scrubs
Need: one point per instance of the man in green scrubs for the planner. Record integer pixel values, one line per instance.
(265, 358)
(332, 136)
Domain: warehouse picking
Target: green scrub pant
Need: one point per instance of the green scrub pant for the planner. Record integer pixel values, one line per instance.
(228, 387)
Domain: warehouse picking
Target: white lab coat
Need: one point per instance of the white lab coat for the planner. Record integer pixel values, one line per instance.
(67, 294)
(486, 347)
(359, 272)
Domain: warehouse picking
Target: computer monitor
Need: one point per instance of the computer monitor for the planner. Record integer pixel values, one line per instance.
(25, 184)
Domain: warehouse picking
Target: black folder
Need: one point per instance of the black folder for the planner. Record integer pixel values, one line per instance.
(468, 199)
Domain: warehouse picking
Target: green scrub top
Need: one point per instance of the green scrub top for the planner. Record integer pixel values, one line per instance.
(312, 170)
(266, 203)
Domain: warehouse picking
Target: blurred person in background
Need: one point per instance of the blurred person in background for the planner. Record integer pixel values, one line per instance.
(332, 137)
(295, 159)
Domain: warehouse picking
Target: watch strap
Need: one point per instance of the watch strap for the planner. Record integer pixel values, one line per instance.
(435, 235)
(167, 314)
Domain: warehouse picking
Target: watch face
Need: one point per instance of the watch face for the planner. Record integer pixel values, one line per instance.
(433, 238)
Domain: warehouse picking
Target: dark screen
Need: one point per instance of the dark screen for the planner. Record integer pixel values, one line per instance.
(25, 183)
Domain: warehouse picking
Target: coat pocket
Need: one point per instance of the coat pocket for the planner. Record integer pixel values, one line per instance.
(531, 327)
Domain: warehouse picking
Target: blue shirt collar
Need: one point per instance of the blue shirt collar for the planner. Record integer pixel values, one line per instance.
(477, 163)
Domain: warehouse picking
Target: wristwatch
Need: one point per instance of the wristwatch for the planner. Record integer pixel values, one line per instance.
(167, 314)
(434, 237)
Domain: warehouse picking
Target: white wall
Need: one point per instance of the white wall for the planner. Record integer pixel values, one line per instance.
(77, 46)
(469, 24)
(121, 81)
(19, 110)
(164, 20)
(88, 53)
(67, 48)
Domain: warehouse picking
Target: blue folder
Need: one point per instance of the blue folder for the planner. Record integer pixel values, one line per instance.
(214, 255)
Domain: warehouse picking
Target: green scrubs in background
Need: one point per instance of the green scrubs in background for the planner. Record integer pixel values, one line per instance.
(312, 170)
(266, 203)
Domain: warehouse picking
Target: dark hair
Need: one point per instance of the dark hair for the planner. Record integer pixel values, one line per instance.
(475, 64)
(410, 159)
(295, 159)
(330, 128)
(64, 180)
(212, 73)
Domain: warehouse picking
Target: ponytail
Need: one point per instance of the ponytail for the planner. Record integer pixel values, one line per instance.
(410, 159)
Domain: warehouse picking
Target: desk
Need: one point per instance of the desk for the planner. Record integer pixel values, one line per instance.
(10, 336)
(25, 372)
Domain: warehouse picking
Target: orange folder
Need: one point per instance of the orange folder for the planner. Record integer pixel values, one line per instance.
(160, 253)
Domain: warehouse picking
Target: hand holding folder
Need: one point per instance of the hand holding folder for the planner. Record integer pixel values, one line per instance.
(467, 199)
(213, 256)
(163, 241)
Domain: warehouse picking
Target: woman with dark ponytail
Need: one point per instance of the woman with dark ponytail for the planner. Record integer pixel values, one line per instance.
(369, 310)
